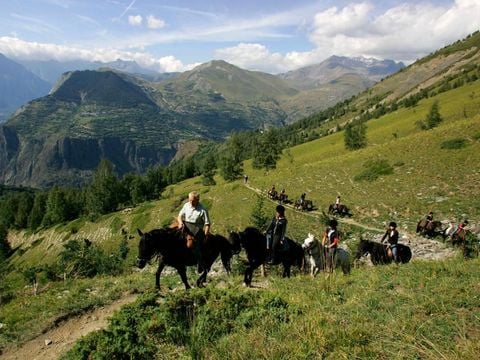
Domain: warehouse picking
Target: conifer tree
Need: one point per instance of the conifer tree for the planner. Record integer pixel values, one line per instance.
(231, 166)
(433, 118)
(266, 151)
(38, 210)
(355, 136)
(102, 195)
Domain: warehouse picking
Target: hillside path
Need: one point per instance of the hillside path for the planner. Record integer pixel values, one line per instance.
(422, 248)
(65, 334)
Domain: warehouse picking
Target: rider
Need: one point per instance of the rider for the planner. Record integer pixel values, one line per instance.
(390, 238)
(460, 227)
(194, 221)
(330, 242)
(283, 195)
(276, 233)
(272, 192)
(302, 199)
(429, 218)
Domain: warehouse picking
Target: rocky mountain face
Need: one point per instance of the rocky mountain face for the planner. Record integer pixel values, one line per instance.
(368, 70)
(136, 123)
(17, 86)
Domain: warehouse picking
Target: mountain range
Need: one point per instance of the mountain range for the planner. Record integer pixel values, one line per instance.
(136, 122)
(18, 86)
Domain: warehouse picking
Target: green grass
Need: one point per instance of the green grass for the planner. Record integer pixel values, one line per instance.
(426, 310)
(357, 316)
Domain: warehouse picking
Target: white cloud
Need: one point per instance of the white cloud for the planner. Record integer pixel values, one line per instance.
(258, 57)
(154, 23)
(404, 32)
(135, 20)
(17, 48)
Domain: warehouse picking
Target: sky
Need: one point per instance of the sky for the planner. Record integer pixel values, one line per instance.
(274, 36)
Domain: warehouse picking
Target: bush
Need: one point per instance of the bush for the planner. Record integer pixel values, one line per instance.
(373, 170)
(193, 319)
(84, 259)
(454, 144)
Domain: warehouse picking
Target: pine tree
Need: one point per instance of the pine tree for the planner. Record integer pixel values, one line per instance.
(231, 166)
(266, 151)
(355, 136)
(433, 118)
(103, 194)
(258, 218)
(38, 210)
(25, 203)
(208, 170)
(55, 208)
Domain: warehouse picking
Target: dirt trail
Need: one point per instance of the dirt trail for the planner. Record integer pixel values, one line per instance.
(64, 336)
(422, 248)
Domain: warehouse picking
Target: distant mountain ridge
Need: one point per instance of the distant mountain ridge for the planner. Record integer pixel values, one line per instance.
(137, 123)
(17, 86)
(52, 70)
(335, 67)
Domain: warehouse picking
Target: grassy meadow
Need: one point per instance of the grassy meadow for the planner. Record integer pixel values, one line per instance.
(423, 310)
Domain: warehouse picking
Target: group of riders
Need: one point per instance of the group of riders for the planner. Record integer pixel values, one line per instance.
(194, 221)
(427, 226)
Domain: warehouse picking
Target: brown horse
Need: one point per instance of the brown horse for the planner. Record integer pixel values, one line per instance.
(429, 228)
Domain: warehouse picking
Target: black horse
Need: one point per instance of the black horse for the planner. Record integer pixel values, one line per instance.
(170, 246)
(306, 205)
(340, 210)
(254, 243)
(379, 254)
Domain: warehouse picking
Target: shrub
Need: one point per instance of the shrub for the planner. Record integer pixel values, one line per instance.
(193, 319)
(457, 143)
(84, 259)
(374, 169)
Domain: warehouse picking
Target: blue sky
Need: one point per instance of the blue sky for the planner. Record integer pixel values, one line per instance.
(269, 35)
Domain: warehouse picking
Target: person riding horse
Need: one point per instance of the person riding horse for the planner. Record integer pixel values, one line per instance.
(459, 229)
(194, 221)
(330, 242)
(272, 193)
(390, 239)
(276, 234)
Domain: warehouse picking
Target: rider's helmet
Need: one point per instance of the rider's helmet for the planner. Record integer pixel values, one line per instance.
(333, 223)
(393, 224)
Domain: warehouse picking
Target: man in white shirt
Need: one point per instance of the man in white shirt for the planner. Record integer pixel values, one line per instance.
(193, 219)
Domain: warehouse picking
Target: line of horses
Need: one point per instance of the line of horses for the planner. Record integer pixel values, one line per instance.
(169, 246)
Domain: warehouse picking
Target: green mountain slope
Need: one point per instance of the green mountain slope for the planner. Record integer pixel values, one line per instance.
(425, 177)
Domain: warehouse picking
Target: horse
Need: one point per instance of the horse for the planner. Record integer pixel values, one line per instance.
(340, 210)
(316, 256)
(305, 205)
(429, 228)
(255, 245)
(379, 253)
(170, 246)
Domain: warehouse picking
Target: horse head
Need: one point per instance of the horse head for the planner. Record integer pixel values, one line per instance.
(234, 239)
(309, 242)
(363, 248)
(143, 249)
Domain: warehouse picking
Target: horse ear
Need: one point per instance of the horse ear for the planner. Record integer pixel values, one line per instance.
(139, 232)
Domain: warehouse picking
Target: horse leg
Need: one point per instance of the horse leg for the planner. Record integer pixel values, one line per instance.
(249, 272)
(286, 270)
(226, 262)
(182, 271)
(161, 266)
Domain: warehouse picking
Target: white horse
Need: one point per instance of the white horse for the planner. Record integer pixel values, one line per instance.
(316, 256)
